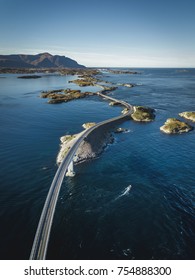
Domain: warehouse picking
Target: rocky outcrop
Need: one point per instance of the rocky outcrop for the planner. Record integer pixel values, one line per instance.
(66, 143)
(107, 89)
(90, 148)
(121, 130)
(114, 103)
(143, 114)
(188, 115)
(126, 85)
(125, 111)
(84, 82)
(175, 126)
(88, 125)
(63, 95)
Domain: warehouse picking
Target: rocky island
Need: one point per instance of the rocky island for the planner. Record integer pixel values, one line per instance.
(89, 80)
(188, 115)
(175, 126)
(63, 95)
(121, 130)
(88, 125)
(29, 77)
(143, 114)
(84, 81)
(89, 148)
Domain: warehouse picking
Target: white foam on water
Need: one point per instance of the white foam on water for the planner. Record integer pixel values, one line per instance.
(125, 192)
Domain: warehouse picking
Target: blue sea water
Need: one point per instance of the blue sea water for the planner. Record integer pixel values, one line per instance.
(98, 216)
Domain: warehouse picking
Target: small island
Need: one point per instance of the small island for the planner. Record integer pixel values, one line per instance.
(63, 95)
(188, 115)
(143, 114)
(85, 81)
(127, 85)
(121, 130)
(29, 77)
(175, 126)
(89, 148)
(88, 125)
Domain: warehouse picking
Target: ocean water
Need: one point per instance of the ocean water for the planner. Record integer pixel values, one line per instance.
(135, 201)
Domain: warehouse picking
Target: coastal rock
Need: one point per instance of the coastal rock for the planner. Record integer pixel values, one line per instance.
(63, 95)
(143, 114)
(126, 85)
(114, 103)
(56, 101)
(86, 80)
(88, 125)
(188, 115)
(124, 111)
(120, 130)
(45, 94)
(66, 143)
(175, 126)
(107, 89)
(88, 149)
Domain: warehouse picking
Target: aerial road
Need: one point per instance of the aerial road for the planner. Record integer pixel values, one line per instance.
(40, 244)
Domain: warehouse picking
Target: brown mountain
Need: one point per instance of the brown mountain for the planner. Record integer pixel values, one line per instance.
(42, 60)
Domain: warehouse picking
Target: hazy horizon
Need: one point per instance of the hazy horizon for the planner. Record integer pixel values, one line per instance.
(125, 33)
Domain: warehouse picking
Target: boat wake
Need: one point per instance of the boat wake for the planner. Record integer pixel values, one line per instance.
(125, 192)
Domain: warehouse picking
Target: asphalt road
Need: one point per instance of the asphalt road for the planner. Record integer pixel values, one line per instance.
(40, 244)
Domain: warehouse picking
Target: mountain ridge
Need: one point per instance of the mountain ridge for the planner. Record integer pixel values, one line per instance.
(41, 60)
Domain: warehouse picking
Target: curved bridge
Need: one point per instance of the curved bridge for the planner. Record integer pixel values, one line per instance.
(40, 244)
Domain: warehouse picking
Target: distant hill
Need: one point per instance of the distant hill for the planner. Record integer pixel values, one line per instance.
(42, 60)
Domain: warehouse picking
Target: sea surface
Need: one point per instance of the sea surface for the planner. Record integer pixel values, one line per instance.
(135, 201)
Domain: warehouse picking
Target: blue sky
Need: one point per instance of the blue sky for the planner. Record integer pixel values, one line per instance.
(131, 33)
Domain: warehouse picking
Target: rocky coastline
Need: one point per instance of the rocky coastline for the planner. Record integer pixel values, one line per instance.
(91, 148)
(175, 126)
(54, 70)
(88, 149)
(143, 114)
(85, 80)
(63, 95)
(88, 125)
(188, 115)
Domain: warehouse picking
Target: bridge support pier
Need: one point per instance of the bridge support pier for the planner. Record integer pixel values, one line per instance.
(70, 172)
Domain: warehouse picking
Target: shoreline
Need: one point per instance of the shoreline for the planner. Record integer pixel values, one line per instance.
(90, 148)
(87, 150)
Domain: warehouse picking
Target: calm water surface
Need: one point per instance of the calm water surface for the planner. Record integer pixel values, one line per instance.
(96, 216)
